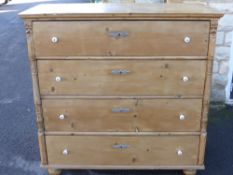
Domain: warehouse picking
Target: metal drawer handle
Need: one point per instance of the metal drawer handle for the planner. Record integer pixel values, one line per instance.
(120, 72)
(120, 146)
(118, 34)
(120, 110)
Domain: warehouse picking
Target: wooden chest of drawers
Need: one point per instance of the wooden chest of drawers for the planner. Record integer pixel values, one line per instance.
(121, 86)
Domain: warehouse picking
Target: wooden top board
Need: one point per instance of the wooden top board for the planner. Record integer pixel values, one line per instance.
(111, 10)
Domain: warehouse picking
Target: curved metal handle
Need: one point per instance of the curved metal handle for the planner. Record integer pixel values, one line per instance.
(118, 34)
(120, 110)
(120, 146)
(120, 72)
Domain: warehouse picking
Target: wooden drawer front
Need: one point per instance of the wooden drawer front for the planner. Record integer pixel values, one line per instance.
(134, 77)
(122, 150)
(120, 38)
(94, 115)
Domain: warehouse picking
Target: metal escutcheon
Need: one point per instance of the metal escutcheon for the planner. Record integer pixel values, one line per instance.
(120, 72)
(120, 110)
(120, 146)
(118, 34)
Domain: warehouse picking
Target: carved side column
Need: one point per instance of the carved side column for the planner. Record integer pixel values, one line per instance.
(207, 89)
(36, 92)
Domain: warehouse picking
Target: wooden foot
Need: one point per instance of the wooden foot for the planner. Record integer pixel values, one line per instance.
(52, 171)
(189, 172)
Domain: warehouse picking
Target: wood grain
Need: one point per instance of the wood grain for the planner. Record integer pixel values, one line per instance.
(144, 77)
(97, 150)
(126, 167)
(151, 38)
(147, 40)
(123, 11)
(207, 89)
(144, 115)
(36, 91)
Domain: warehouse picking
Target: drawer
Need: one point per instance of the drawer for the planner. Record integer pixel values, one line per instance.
(96, 115)
(121, 77)
(122, 150)
(120, 38)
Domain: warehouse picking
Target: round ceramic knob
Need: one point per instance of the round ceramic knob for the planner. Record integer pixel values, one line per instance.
(58, 79)
(61, 116)
(187, 39)
(182, 117)
(65, 152)
(185, 78)
(55, 39)
(179, 152)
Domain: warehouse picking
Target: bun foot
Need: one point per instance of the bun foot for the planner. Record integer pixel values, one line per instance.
(189, 172)
(52, 171)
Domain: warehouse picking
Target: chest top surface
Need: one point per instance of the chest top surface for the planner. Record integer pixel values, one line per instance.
(111, 10)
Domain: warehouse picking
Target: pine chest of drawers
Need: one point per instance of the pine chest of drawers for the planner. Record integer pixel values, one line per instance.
(121, 86)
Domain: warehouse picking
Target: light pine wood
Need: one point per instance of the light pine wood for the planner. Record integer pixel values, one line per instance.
(126, 167)
(52, 171)
(123, 58)
(147, 40)
(209, 67)
(36, 92)
(43, 149)
(206, 98)
(151, 38)
(143, 115)
(202, 145)
(144, 77)
(99, 150)
(62, 133)
(116, 11)
(189, 172)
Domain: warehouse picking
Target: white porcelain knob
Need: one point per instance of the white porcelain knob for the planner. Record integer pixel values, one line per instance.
(187, 39)
(61, 116)
(179, 152)
(65, 152)
(55, 39)
(182, 116)
(58, 78)
(185, 78)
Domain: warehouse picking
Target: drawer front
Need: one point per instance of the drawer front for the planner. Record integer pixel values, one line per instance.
(96, 115)
(122, 150)
(121, 38)
(129, 77)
